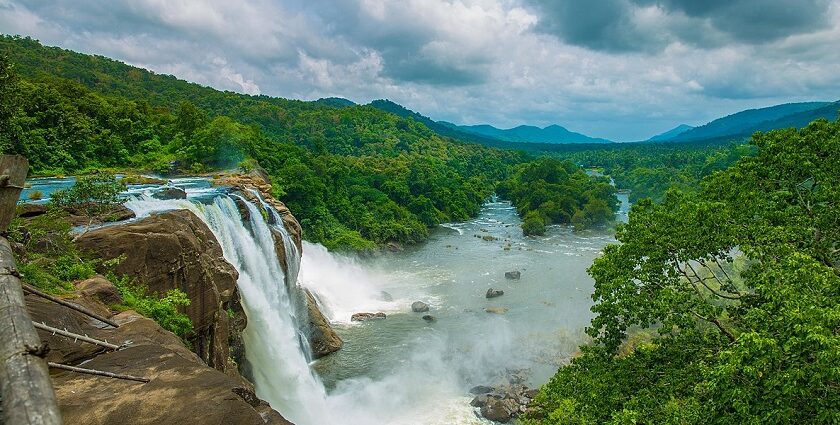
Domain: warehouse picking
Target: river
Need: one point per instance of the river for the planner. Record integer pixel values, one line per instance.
(404, 369)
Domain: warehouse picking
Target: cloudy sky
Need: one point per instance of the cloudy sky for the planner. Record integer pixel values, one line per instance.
(621, 69)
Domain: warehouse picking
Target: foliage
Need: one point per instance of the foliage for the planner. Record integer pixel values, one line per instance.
(356, 177)
(551, 191)
(91, 195)
(45, 255)
(742, 281)
(163, 310)
(648, 170)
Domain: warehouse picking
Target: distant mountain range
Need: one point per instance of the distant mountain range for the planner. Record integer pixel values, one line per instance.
(486, 133)
(531, 134)
(739, 125)
(744, 123)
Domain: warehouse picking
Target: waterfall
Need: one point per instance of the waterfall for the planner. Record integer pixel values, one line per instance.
(277, 356)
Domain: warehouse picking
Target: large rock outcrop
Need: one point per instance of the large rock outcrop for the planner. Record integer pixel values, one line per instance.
(246, 184)
(172, 250)
(322, 338)
(182, 389)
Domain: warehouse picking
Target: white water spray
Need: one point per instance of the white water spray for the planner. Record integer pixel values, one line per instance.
(280, 370)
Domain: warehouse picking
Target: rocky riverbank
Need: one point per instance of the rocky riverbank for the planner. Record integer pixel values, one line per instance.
(205, 383)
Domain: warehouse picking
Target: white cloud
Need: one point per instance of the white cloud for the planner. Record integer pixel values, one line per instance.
(467, 61)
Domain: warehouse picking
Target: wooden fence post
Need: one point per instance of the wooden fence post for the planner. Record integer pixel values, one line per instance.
(28, 395)
(13, 169)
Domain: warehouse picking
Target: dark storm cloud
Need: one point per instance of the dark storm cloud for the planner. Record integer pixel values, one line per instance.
(595, 24)
(644, 25)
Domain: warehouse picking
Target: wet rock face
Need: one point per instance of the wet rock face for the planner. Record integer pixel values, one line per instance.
(493, 293)
(419, 307)
(258, 181)
(361, 317)
(504, 401)
(322, 338)
(500, 410)
(176, 250)
(182, 389)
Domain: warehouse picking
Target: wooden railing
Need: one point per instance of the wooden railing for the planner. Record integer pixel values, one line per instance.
(27, 394)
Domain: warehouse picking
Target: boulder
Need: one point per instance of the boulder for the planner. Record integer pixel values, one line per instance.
(322, 338)
(101, 289)
(515, 274)
(479, 400)
(182, 389)
(419, 307)
(170, 193)
(176, 250)
(500, 410)
(481, 389)
(496, 310)
(112, 214)
(429, 318)
(493, 293)
(31, 210)
(361, 317)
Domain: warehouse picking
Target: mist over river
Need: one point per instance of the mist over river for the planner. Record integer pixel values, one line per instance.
(404, 369)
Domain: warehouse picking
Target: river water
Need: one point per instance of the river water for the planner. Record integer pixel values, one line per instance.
(404, 369)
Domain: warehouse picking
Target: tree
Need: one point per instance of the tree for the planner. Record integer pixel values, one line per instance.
(8, 103)
(741, 282)
(91, 196)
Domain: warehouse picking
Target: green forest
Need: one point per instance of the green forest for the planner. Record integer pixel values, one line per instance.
(721, 304)
(356, 177)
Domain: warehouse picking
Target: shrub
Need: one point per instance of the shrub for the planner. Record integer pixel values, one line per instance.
(35, 195)
(163, 310)
(91, 196)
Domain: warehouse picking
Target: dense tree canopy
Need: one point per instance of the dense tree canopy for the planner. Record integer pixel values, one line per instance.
(551, 191)
(742, 282)
(356, 177)
(648, 170)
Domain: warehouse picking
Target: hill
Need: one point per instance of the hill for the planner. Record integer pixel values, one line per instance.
(747, 122)
(532, 134)
(440, 127)
(670, 134)
(355, 176)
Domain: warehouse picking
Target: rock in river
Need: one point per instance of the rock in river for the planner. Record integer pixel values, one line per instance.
(429, 318)
(169, 193)
(419, 307)
(500, 410)
(496, 310)
(515, 274)
(493, 293)
(361, 317)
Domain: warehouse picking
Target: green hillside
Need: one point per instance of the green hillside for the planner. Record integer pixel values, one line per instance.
(357, 177)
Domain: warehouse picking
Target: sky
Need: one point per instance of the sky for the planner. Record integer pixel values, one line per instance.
(619, 69)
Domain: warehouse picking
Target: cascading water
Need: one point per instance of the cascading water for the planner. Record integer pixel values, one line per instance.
(278, 359)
